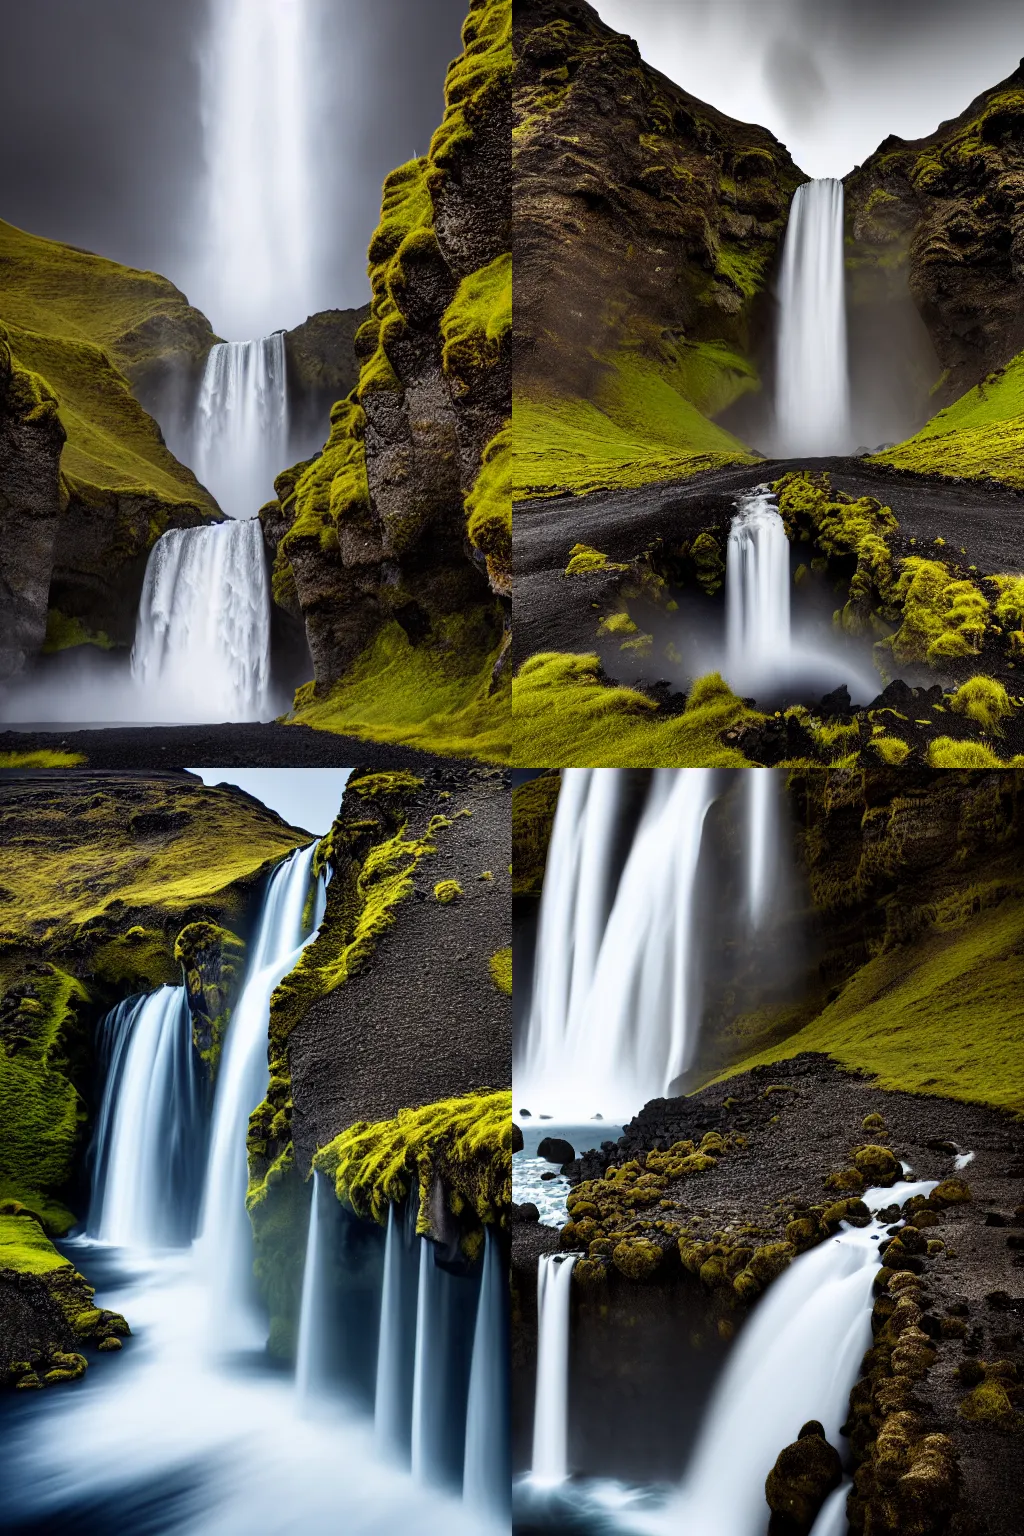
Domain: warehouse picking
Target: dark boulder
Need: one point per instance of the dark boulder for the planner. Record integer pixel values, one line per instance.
(802, 1478)
(556, 1150)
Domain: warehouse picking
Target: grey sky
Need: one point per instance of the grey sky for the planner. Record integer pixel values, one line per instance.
(831, 78)
(306, 797)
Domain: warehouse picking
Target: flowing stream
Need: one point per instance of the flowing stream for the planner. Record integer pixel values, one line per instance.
(812, 383)
(241, 423)
(186, 1430)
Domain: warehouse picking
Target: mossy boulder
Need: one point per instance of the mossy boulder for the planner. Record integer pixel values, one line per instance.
(637, 1259)
(804, 1475)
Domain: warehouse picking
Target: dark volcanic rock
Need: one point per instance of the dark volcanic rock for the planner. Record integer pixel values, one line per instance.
(556, 1150)
(802, 1478)
(322, 368)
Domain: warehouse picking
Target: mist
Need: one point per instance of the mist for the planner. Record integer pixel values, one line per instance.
(102, 140)
(830, 78)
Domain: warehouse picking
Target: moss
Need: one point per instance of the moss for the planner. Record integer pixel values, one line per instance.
(566, 715)
(478, 322)
(943, 615)
(278, 1206)
(447, 891)
(332, 488)
(439, 695)
(533, 816)
(64, 634)
(459, 1147)
(944, 752)
(212, 959)
(583, 559)
(501, 970)
(489, 510)
(25, 1247)
(891, 750)
(44, 759)
(989, 1405)
(637, 1259)
(983, 700)
(618, 624)
(707, 558)
(481, 72)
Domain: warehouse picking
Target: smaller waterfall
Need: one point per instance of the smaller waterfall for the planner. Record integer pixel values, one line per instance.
(396, 1347)
(551, 1413)
(832, 1519)
(614, 1016)
(812, 383)
(202, 637)
(757, 584)
(487, 1471)
(761, 786)
(309, 1349)
(431, 1398)
(225, 1236)
(241, 426)
(149, 1134)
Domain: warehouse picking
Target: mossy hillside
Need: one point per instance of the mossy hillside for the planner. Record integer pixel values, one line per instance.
(489, 511)
(567, 715)
(533, 817)
(44, 759)
(644, 422)
(439, 696)
(481, 73)
(457, 1152)
(979, 437)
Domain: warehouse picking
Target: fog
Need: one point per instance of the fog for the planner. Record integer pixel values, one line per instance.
(830, 78)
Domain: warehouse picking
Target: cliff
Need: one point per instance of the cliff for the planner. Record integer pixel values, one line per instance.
(394, 544)
(647, 228)
(83, 333)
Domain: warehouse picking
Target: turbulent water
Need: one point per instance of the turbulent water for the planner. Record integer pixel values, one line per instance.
(613, 1020)
(202, 638)
(241, 438)
(812, 383)
(757, 588)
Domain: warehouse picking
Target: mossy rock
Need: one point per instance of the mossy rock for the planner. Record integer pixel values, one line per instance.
(877, 1166)
(637, 1259)
(804, 1475)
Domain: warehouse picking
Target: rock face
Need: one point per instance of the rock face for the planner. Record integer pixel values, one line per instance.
(31, 440)
(403, 521)
(946, 213)
(647, 227)
(322, 368)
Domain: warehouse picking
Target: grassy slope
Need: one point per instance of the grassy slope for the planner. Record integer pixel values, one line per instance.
(79, 320)
(646, 423)
(937, 1018)
(981, 434)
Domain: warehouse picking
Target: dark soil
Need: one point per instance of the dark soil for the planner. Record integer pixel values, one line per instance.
(219, 746)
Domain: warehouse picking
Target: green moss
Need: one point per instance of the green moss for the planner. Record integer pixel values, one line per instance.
(44, 759)
(438, 696)
(706, 555)
(501, 970)
(489, 510)
(63, 634)
(943, 615)
(25, 1247)
(989, 1405)
(980, 436)
(937, 1018)
(447, 891)
(582, 558)
(333, 488)
(478, 322)
(533, 816)
(278, 1206)
(481, 72)
(984, 701)
(566, 716)
(463, 1146)
(944, 752)
(891, 750)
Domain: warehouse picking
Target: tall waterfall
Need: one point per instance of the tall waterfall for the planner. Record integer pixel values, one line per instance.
(241, 424)
(796, 1359)
(309, 1347)
(757, 586)
(225, 1236)
(487, 1469)
(149, 1133)
(762, 790)
(615, 1007)
(551, 1412)
(396, 1347)
(258, 111)
(812, 384)
(202, 637)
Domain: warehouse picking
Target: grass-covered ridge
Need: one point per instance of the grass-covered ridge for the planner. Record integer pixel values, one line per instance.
(979, 436)
(533, 817)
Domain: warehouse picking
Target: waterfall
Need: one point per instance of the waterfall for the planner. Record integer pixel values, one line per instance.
(812, 385)
(761, 788)
(551, 1412)
(258, 108)
(796, 1359)
(615, 1011)
(487, 1471)
(438, 1426)
(241, 424)
(309, 1348)
(397, 1341)
(832, 1519)
(202, 637)
(757, 592)
(149, 1132)
(225, 1235)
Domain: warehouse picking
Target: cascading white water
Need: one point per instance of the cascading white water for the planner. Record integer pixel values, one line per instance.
(615, 1004)
(761, 787)
(396, 1347)
(487, 1470)
(812, 383)
(757, 586)
(308, 1350)
(551, 1410)
(225, 1238)
(241, 423)
(149, 1126)
(433, 1348)
(832, 1519)
(202, 637)
(258, 112)
(796, 1359)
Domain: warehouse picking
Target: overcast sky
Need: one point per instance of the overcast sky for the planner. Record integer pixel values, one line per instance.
(830, 78)
(309, 798)
(100, 136)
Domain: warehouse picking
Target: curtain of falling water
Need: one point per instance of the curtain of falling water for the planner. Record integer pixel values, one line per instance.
(812, 383)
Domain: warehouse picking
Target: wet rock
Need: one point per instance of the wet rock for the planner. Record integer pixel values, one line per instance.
(525, 1212)
(517, 1138)
(802, 1478)
(556, 1150)
(836, 705)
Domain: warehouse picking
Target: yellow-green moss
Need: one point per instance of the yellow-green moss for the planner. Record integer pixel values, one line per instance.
(482, 71)
(983, 700)
(501, 970)
(944, 752)
(463, 1145)
(438, 695)
(944, 615)
(566, 716)
(45, 759)
(489, 509)
(533, 816)
(478, 321)
(447, 891)
(890, 749)
(63, 634)
(582, 558)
